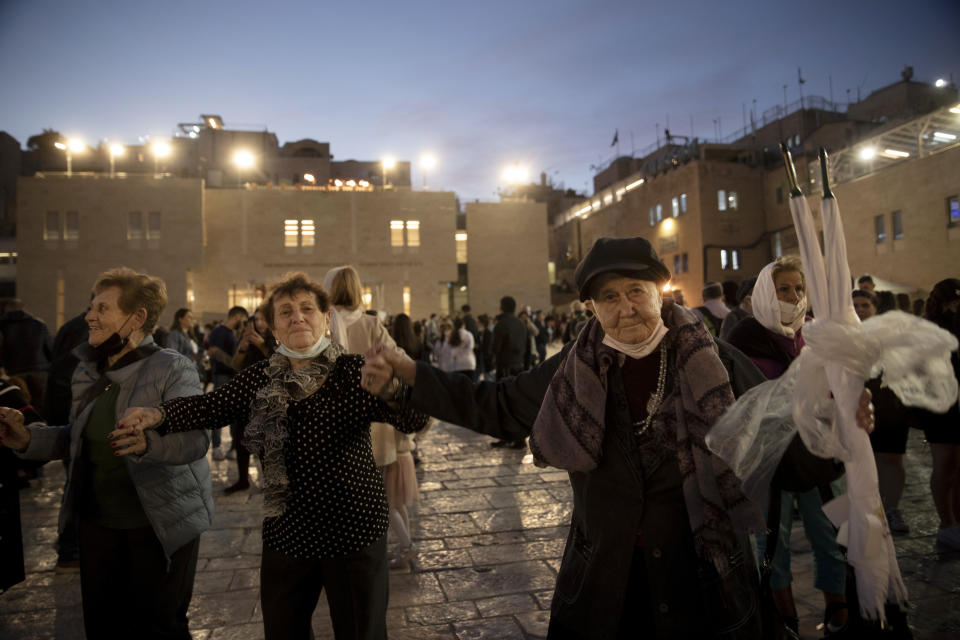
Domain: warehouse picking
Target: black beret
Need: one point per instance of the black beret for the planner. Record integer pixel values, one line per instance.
(619, 254)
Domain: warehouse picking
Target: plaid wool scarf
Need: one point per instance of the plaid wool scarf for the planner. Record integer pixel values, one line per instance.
(568, 432)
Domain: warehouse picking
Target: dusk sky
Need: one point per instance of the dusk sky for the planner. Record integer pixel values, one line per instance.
(480, 84)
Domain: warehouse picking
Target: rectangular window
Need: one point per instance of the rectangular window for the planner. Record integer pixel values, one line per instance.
(675, 207)
(724, 259)
(659, 212)
(897, 224)
(153, 225)
(461, 238)
(134, 225)
(683, 203)
(676, 264)
(308, 233)
(653, 217)
(721, 200)
(413, 233)
(685, 264)
(396, 233)
(732, 200)
(51, 226)
(879, 229)
(406, 300)
(368, 296)
(71, 226)
(291, 232)
(735, 259)
(777, 245)
(953, 211)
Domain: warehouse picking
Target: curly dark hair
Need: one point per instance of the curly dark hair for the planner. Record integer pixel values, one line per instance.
(293, 283)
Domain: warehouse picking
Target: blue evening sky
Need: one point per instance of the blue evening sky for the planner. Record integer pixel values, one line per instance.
(543, 83)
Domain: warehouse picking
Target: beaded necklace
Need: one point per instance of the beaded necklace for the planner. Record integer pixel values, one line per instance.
(656, 398)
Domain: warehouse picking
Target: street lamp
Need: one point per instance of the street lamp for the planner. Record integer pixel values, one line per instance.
(388, 163)
(428, 162)
(244, 160)
(516, 174)
(116, 151)
(71, 146)
(309, 177)
(159, 150)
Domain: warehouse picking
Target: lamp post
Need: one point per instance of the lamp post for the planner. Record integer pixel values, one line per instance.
(70, 147)
(428, 162)
(244, 160)
(160, 150)
(387, 164)
(116, 151)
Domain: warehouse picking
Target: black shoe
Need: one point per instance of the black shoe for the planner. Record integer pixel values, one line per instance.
(517, 444)
(240, 486)
(499, 444)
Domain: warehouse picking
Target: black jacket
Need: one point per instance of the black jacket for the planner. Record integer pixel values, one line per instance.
(509, 341)
(27, 345)
(612, 504)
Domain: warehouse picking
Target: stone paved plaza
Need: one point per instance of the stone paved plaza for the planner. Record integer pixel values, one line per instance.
(491, 528)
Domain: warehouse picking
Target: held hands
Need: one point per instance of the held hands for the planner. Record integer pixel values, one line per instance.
(382, 364)
(128, 437)
(12, 432)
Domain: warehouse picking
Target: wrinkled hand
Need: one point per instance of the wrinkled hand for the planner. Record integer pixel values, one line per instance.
(865, 412)
(382, 365)
(127, 440)
(12, 432)
(140, 417)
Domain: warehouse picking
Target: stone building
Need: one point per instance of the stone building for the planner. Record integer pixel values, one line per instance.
(216, 248)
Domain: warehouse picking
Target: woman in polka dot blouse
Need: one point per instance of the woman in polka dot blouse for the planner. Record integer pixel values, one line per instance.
(325, 509)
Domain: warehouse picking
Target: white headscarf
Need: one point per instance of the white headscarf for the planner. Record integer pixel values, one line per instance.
(340, 317)
(772, 313)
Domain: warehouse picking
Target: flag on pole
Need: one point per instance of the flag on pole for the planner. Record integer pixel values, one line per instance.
(616, 137)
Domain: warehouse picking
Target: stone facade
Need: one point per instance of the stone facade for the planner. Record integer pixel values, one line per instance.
(216, 248)
(507, 255)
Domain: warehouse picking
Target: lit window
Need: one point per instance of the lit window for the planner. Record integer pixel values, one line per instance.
(953, 211)
(308, 233)
(71, 226)
(134, 225)
(413, 233)
(879, 229)
(368, 296)
(732, 200)
(406, 300)
(8, 257)
(777, 245)
(653, 217)
(683, 203)
(461, 237)
(396, 233)
(722, 200)
(723, 259)
(675, 207)
(51, 226)
(897, 224)
(153, 225)
(291, 233)
(735, 259)
(659, 212)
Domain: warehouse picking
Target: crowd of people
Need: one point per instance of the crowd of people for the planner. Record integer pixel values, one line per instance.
(328, 399)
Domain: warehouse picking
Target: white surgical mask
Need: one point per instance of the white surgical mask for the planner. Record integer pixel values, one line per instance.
(641, 349)
(792, 315)
(306, 354)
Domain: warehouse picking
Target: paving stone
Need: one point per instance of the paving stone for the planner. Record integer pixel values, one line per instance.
(442, 526)
(543, 598)
(480, 582)
(504, 628)
(430, 632)
(505, 553)
(235, 562)
(503, 537)
(506, 605)
(517, 498)
(486, 471)
(411, 589)
(208, 610)
(245, 579)
(445, 559)
(248, 631)
(472, 483)
(440, 613)
(212, 581)
(534, 623)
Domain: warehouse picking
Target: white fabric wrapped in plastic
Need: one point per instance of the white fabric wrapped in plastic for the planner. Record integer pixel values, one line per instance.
(824, 384)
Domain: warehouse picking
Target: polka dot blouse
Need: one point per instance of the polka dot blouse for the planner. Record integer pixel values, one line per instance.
(336, 502)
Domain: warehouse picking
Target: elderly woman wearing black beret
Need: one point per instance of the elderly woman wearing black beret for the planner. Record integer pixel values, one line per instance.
(658, 544)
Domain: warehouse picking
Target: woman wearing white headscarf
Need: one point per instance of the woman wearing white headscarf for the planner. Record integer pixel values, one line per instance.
(772, 338)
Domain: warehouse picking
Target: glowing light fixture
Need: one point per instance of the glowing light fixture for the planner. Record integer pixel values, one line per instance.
(243, 159)
(868, 153)
(895, 153)
(943, 136)
(940, 83)
(516, 174)
(389, 162)
(633, 185)
(309, 177)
